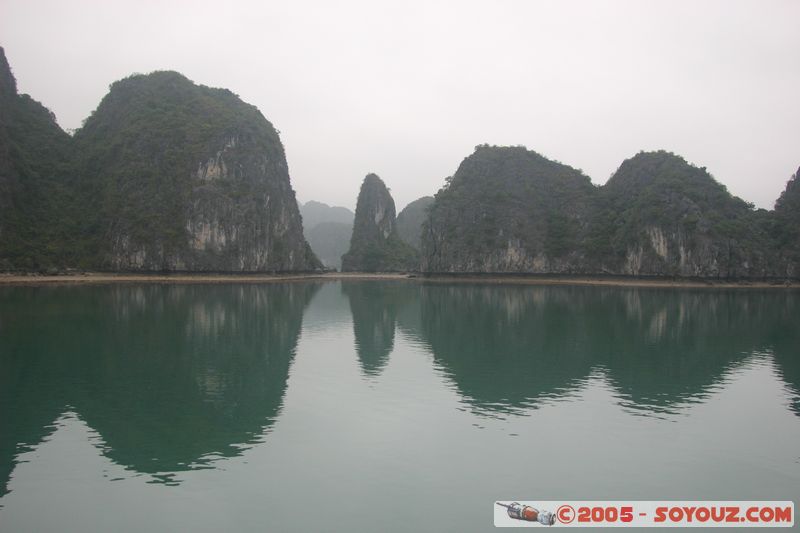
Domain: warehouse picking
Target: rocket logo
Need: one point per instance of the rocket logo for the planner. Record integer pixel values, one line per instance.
(528, 513)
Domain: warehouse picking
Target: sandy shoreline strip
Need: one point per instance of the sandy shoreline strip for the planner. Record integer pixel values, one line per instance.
(612, 282)
(102, 277)
(185, 278)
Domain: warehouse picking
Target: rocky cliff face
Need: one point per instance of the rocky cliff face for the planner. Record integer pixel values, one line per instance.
(786, 227)
(167, 175)
(410, 219)
(511, 210)
(188, 178)
(662, 216)
(508, 209)
(375, 244)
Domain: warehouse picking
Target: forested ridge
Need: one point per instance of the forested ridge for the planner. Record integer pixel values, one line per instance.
(509, 209)
(165, 175)
(168, 175)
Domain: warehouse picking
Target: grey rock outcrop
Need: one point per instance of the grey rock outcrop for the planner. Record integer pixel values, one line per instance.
(511, 210)
(507, 209)
(375, 245)
(192, 179)
(665, 217)
(786, 227)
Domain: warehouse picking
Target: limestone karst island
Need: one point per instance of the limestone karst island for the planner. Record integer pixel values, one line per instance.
(401, 267)
(170, 176)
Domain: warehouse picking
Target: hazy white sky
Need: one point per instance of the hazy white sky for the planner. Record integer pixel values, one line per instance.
(407, 89)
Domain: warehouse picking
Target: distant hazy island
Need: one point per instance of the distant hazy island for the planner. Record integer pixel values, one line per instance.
(170, 176)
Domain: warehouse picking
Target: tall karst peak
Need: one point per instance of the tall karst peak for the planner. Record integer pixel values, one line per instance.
(190, 178)
(375, 244)
(507, 209)
(8, 84)
(786, 226)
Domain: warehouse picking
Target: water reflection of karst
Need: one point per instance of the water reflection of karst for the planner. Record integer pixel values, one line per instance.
(784, 342)
(374, 306)
(170, 376)
(504, 347)
(509, 348)
(167, 375)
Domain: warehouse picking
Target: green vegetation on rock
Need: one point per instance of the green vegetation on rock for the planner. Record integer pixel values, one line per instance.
(186, 177)
(36, 224)
(508, 209)
(165, 175)
(375, 245)
(785, 227)
(659, 215)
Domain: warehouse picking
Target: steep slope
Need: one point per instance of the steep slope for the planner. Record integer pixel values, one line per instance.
(375, 245)
(35, 223)
(9, 177)
(511, 210)
(328, 230)
(178, 176)
(508, 209)
(410, 219)
(659, 215)
(786, 228)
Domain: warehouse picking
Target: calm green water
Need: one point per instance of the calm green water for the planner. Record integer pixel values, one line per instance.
(385, 406)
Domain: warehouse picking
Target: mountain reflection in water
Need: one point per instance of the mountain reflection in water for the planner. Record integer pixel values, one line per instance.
(168, 375)
(507, 348)
(172, 377)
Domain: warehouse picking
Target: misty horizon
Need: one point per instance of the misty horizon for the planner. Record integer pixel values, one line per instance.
(408, 91)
